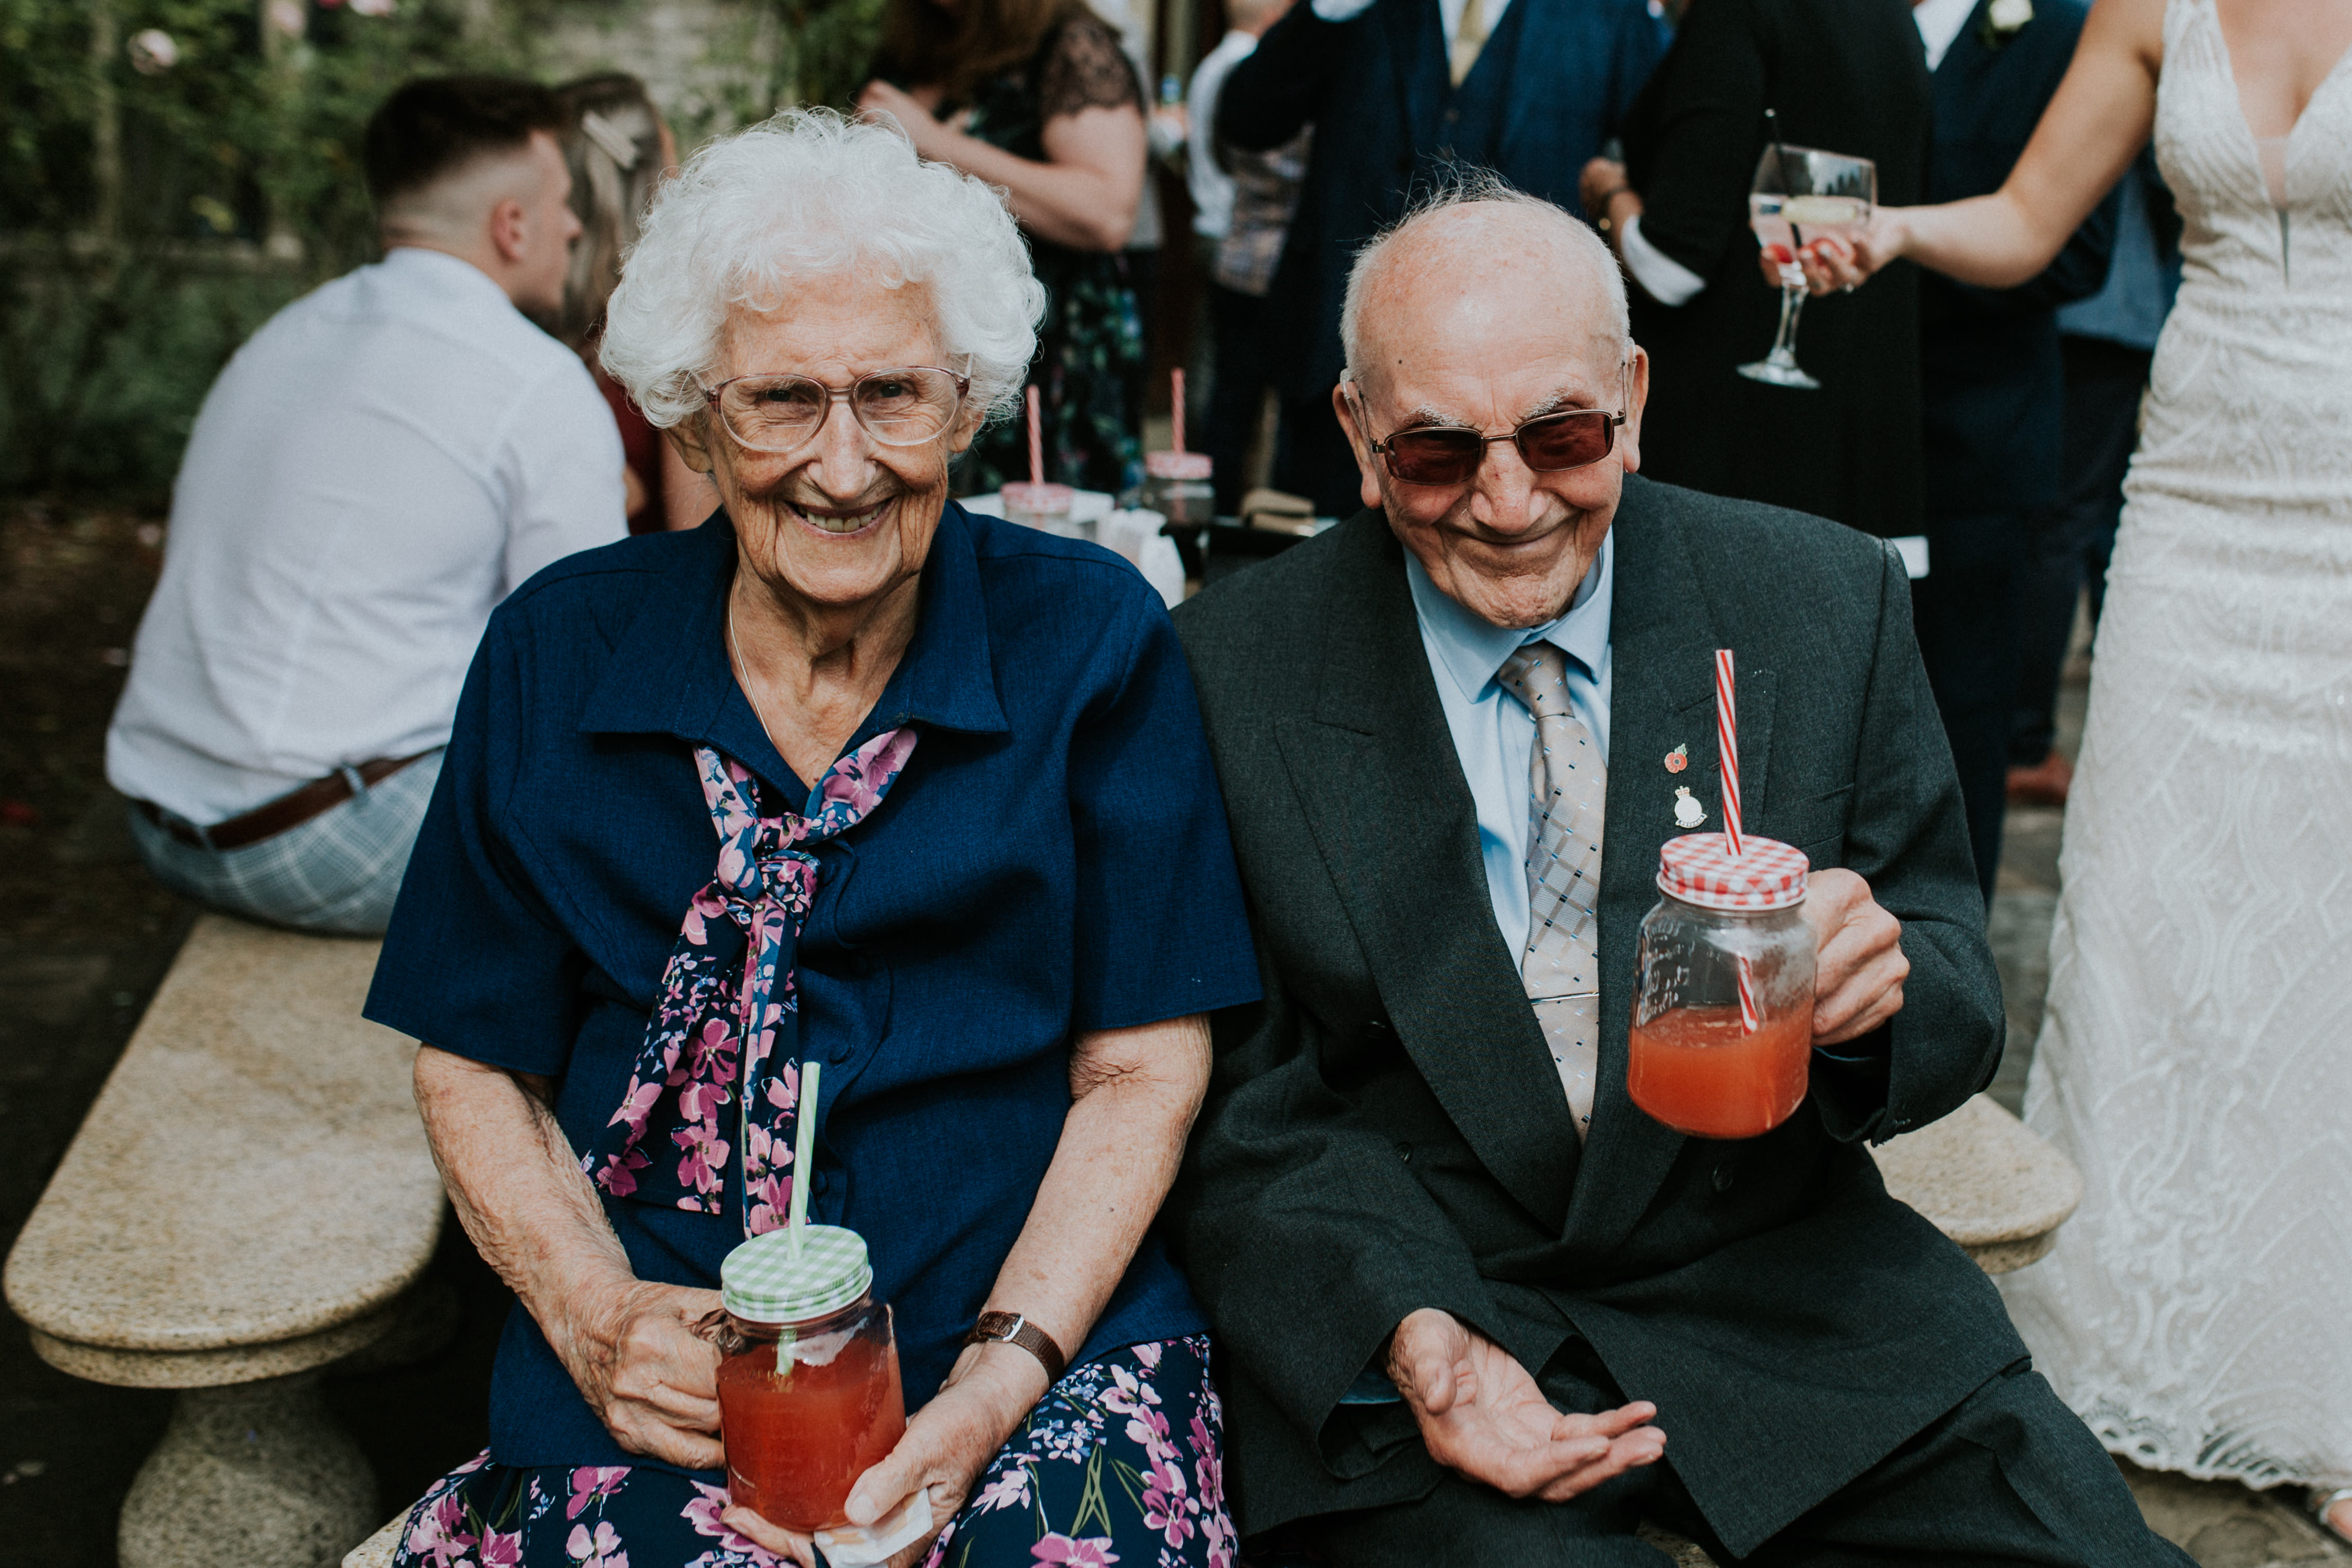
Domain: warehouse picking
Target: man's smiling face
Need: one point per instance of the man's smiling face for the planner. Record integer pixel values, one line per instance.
(1484, 316)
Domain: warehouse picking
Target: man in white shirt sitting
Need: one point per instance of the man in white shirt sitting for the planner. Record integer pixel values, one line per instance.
(372, 472)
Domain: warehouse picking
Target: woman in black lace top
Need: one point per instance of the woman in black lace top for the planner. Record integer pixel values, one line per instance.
(1036, 97)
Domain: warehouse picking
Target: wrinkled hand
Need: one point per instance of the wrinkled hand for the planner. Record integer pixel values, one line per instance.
(1482, 1415)
(947, 1445)
(1601, 174)
(1838, 262)
(878, 99)
(650, 1378)
(1860, 968)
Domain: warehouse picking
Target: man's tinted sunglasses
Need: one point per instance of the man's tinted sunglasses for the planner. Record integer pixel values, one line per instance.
(1450, 454)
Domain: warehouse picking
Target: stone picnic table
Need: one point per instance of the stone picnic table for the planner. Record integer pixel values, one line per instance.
(248, 1200)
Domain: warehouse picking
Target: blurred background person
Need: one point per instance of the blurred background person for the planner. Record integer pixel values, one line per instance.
(618, 149)
(2107, 343)
(1036, 97)
(1993, 392)
(372, 472)
(2192, 1058)
(1844, 76)
(1401, 93)
(1242, 204)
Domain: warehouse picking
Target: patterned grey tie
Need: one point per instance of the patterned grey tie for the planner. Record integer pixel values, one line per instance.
(1567, 784)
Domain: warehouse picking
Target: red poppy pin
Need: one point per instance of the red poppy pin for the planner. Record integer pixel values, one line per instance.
(1678, 758)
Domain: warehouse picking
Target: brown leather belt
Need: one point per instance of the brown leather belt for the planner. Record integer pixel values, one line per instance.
(286, 812)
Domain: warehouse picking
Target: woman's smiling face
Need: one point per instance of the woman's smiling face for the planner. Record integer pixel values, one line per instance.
(844, 520)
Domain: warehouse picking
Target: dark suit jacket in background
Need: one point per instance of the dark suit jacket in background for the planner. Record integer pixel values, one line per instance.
(1551, 86)
(1387, 1132)
(1995, 385)
(1846, 76)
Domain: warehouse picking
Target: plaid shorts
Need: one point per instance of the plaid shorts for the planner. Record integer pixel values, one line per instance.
(339, 872)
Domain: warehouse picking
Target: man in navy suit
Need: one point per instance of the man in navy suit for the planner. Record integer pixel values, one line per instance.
(1994, 399)
(1401, 93)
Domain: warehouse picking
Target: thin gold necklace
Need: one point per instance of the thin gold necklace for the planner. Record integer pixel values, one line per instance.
(743, 677)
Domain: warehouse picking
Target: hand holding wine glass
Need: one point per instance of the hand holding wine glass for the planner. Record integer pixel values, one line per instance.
(1803, 198)
(1843, 259)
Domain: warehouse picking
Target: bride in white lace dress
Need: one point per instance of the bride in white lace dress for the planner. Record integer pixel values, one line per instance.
(2197, 1057)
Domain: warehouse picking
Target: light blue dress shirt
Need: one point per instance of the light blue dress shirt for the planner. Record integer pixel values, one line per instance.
(1493, 734)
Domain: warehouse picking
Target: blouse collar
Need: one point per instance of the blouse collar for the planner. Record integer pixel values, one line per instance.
(670, 672)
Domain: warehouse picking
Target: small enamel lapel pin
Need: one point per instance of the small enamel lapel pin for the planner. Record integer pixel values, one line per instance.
(1688, 813)
(1678, 758)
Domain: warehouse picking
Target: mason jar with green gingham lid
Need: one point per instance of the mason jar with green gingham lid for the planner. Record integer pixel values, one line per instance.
(767, 1279)
(809, 1396)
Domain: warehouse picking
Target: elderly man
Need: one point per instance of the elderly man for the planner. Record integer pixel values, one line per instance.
(1472, 1305)
(383, 461)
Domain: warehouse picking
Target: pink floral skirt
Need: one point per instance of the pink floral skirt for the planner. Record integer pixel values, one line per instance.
(1121, 1462)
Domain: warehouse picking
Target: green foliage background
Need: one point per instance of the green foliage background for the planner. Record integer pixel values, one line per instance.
(239, 187)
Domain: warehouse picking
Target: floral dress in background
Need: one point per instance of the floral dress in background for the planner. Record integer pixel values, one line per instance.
(1090, 355)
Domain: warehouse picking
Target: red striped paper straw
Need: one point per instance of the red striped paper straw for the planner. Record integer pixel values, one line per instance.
(1750, 1020)
(1727, 746)
(1178, 376)
(1036, 442)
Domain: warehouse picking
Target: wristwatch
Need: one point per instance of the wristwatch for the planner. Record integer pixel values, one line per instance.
(1012, 1328)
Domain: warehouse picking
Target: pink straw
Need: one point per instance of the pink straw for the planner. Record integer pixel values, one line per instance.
(1178, 376)
(1726, 742)
(1727, 746)
(1036, 442)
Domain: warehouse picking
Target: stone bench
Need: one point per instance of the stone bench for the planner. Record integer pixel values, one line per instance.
(247, 1201)
(1986, 1180)
(376, 1552)
(1981, 1175)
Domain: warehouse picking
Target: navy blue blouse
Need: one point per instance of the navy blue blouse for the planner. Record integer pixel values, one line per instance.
(1054, 859)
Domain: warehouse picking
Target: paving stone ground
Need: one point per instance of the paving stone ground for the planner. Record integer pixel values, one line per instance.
(85, 938)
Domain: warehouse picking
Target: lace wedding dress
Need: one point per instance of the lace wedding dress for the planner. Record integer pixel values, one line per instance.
(2197, 1059)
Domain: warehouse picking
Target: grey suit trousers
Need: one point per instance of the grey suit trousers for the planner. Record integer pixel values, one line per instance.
(2010, 1476)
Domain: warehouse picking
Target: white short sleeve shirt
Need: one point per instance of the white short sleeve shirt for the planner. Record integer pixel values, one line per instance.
(377, 468)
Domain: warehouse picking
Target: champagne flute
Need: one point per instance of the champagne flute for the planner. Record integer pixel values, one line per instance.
(1801, 194)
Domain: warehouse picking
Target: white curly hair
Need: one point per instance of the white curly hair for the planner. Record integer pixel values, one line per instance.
(806, 195)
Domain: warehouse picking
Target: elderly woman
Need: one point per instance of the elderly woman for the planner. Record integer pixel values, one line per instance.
(952, 776)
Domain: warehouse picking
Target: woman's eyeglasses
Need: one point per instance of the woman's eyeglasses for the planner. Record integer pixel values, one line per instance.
(903, 407)
(1450, 454)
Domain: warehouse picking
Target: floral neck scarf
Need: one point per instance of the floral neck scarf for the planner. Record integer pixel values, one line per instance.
(713, 1015)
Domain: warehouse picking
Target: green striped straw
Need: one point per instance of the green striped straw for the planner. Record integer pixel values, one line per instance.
(803, 1149)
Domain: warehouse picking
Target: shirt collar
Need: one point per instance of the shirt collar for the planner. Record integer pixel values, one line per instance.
(1473, 650)
(424, 267)
(670, 674)
(1940, 23)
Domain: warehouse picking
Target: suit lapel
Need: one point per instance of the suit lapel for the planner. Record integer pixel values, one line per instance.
(1663, 642)
(1384, 792)
(1524, 114)
(1416, 37)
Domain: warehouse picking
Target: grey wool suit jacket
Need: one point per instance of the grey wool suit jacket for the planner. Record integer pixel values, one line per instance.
(1386, 1130)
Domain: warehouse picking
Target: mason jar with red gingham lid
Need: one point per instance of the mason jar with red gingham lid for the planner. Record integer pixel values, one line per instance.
(1723, 1004)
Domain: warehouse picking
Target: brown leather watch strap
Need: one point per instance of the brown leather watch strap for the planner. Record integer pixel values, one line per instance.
(1012, 1328)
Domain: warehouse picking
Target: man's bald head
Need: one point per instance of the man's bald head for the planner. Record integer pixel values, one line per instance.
(1481, 247)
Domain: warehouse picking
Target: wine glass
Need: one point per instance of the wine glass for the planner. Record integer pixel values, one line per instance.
(1801, 194)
